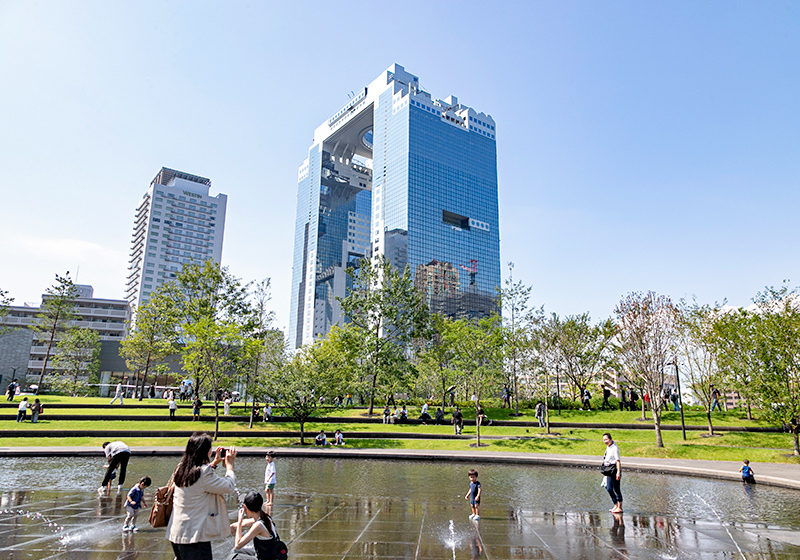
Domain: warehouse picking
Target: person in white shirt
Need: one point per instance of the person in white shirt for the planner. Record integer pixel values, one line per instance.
(22, 409)
(227, 405)
(611, 458)
(267, 413)
(269, 477)
(117, 455)
(118, 394)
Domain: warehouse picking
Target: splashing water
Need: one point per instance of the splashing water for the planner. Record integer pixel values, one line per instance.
(54, 527)
(451, 542)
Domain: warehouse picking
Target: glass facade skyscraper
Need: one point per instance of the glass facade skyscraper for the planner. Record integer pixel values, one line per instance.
(397, 173)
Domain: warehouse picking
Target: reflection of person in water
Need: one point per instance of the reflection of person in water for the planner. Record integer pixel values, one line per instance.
(617, 534)
(475, 545)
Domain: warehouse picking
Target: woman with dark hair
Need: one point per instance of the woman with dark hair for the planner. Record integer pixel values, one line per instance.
(199, 514)
(262, 530)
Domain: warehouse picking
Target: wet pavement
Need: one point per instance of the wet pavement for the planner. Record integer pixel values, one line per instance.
(328, 509)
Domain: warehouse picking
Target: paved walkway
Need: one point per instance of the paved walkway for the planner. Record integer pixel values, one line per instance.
(772, 474)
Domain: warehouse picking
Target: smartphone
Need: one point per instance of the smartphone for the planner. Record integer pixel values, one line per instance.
(222, 452)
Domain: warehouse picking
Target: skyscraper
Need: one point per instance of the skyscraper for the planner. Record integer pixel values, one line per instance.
(176, 222)
(396, 173)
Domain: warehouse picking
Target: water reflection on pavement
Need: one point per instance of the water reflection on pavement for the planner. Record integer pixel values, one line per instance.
(382, 509)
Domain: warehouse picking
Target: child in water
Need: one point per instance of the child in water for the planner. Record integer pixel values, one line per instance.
(134, 502)
(262, 532)
(747, 472)
(474, 494)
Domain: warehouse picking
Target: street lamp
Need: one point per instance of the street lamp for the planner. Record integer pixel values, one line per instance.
(680, 395)
(558, 390)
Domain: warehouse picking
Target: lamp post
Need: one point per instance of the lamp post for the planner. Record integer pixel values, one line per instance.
(680, 395)
(558, 390)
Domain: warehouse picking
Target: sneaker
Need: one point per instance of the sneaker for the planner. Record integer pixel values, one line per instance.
(134, 529)
(101, 489)
(471, 516)
(125, 529)
(476, 518)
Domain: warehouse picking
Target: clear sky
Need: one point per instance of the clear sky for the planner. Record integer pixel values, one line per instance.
(641, 145)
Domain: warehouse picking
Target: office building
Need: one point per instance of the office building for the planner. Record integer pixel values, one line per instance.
(177, 222)
(22, 351)
(397, 173)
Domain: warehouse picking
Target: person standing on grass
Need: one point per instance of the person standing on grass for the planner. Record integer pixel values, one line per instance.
(36, 410)
(11, 390)
(611, 457)
(22, 409)
(196, 404)
(173, 406)
(117, 455)
(118, 394)
(270, 477)
(539, 413)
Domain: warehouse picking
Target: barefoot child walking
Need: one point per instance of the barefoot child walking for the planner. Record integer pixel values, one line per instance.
(269, 477)
(474, 495)
(134, 502)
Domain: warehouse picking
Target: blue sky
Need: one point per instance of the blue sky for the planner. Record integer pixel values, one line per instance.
(641, 145)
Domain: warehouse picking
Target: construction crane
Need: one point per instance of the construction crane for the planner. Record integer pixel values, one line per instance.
(472, 269)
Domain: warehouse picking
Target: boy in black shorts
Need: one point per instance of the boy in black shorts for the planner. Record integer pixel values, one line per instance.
(474, 494)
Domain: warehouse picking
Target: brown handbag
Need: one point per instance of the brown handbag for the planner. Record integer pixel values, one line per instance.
(162, 505)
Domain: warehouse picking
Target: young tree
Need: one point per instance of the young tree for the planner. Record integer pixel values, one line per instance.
(646, 341)
(77, 355)
(696, 352)
(734, 342)
(5, 302)
(514, 303)
(777, 349)
(544, 354)
(57, 311)
(478, 354)
(387, 312)
(433, 360)
(153, 338)
(585, 349)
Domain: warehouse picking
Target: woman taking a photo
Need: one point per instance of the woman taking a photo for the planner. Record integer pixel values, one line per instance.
(199, 514)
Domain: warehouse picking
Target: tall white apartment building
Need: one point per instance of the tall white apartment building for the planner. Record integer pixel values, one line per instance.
(177, 222)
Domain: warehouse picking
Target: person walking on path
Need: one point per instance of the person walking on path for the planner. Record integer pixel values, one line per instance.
(11, 390)
(134, 501)
(612, 469)
(606, 394)
(715, 395)
(199, 514)
(623, 398)
(22, 409)
(196, 404)
(117, 455)
(36, 410)
(458, 421)
(118, 394)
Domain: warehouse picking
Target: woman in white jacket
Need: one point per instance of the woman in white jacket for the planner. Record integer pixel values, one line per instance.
(199, 514)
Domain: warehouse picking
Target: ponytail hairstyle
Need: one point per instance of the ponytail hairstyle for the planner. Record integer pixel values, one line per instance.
(254, 502)
(195, 456)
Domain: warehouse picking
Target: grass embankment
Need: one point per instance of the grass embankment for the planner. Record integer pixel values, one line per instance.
(734, 446)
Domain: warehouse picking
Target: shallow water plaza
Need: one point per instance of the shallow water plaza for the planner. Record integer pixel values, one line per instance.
(355, 508)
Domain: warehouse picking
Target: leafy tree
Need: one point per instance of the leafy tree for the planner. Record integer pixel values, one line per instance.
(646, 341)
(153, 338)
(514, 303)
(5, 303)
(57, 311)
(734, 341)
(213, 317)
(434, 357)
(477, 353)
(544, 355)
(696, 347)
(387, 312)
(777, 350)
(77, 356)
(585, 349)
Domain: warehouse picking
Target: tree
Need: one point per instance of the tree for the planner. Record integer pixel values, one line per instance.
(434, 358)
(514, 303)
(153, 338)
(544, 354)
(5, 302)
(733, 338)
(646, 341)
(57, 311)
(213, 315)
(477, 353)
(77, 355)
(585, 349)
(777, 351)
(697, 351)
(387, 312)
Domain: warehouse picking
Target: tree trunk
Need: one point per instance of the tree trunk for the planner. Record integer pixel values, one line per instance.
(477, 429)
(644, 410)
(710, 426)
(252, 412)
(144, 376)
(302, 432)
(516, 396)
(374, 383)
(749, 412)
(47, 354)
(216, 416)
(796, 434)
(657, 425)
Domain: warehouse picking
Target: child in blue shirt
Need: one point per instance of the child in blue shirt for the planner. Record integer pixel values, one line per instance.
(134, 502)
(474, 494)
(747, 472)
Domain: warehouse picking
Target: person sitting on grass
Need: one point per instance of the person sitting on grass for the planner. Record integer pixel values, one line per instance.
(338, 438)
(321, 438)
(439, 418)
